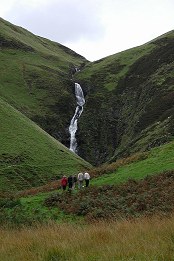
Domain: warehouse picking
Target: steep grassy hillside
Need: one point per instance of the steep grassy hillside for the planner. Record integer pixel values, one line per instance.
(36, 78)
(129, 95)
(28, 155)
(130, 101)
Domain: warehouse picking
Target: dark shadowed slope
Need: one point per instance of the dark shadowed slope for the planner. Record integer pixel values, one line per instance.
(129, 106)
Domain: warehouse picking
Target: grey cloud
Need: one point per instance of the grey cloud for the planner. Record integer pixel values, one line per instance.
(61, 21)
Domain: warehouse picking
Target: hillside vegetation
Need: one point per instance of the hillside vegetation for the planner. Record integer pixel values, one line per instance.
(129, 106)
(147, 197)
(129, 95)
(36, 78)
(126, 131)
(129, 187)
(28, 155)
(137, 166)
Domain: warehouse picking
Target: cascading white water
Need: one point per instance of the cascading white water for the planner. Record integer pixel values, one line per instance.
(79, 109)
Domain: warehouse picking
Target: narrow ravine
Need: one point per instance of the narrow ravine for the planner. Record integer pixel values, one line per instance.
(79, 109)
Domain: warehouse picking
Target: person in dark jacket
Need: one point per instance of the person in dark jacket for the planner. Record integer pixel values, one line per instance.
(74, 182)
(64, 182)
(70, 182)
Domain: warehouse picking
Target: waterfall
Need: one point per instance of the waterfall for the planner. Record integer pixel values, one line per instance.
(79, 109)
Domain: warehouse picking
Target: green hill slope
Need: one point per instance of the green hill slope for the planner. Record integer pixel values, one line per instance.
(129, 95)
(28, 155)
(142, 187)
(36, 78)
(154, 162)
(129, 106)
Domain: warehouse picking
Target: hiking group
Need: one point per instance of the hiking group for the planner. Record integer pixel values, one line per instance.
(71, 181)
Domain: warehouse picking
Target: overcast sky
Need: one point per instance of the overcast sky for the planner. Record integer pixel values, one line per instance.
(92, 28)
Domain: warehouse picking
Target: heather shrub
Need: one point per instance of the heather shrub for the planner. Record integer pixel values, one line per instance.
(134, 198)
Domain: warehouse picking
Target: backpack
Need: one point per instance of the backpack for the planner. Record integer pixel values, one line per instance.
(80, 176)
(74, 179)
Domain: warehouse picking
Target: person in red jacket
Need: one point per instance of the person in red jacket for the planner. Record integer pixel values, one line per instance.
(64, 182)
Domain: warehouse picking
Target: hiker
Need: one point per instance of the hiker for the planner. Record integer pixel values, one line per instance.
(86, 178)
(80, 180)
(64, 182)
(74, 182)
(70, 182)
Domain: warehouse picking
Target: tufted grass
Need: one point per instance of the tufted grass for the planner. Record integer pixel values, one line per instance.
(139, 239)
